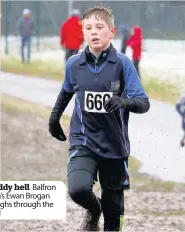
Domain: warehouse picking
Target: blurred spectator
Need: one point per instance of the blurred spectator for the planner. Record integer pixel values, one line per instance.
(125, 35)
(135, 42)
(180, 106)
(26, 29)
(71, 35)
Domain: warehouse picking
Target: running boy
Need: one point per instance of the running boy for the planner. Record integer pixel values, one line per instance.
(107, 88)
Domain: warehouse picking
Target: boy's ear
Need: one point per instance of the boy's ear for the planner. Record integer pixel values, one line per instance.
(83, 35)
(113, 32)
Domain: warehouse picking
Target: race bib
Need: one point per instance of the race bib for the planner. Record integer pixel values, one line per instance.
(94, 101)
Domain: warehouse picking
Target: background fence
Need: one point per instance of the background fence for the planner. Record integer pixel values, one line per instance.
(159, 20)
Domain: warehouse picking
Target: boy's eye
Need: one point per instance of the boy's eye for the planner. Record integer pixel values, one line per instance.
(88, 28)
(99, 26)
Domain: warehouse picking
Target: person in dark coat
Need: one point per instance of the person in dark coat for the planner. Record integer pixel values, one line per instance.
(26, 27)
(125, 34)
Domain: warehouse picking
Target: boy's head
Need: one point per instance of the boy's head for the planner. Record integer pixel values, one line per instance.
(98, 27)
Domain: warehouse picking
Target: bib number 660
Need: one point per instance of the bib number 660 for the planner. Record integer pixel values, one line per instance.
(94, 101)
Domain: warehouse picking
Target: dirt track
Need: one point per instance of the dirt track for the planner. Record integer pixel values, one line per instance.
(30, 153)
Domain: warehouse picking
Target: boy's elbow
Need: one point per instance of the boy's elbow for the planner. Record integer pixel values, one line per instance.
(146, 106)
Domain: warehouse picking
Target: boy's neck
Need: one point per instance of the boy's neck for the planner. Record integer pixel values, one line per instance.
(97, 53)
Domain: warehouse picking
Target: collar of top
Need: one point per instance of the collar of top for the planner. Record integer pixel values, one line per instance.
(109, 54)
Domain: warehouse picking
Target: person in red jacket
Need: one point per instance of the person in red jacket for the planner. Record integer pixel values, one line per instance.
(135, 42)
(71, 35)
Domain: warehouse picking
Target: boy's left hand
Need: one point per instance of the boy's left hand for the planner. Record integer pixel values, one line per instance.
(56, 131)
(114, 103)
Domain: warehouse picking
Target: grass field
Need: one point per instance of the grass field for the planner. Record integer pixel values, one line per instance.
(38, 68)
(155, 88)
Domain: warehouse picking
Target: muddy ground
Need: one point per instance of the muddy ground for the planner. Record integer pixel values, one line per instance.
(30, 153)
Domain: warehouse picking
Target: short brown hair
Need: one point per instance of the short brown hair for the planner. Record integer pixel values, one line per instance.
(100, 12)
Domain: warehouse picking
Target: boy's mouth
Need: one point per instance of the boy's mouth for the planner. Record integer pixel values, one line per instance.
(95, 40)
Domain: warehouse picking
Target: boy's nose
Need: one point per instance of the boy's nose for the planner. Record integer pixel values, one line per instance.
(93, 32)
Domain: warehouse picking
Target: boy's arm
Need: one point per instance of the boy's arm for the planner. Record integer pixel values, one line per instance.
(60, 105)
(136, 100)
(64, 97)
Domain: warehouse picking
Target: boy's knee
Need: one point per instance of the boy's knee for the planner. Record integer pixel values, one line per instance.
(74, 192)
(78, 193)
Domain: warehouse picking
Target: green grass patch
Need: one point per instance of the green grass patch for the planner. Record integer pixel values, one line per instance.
(134, 165)
(147, 183)
(161, 90)
(37, 68)
(16, 104)
(23, 106)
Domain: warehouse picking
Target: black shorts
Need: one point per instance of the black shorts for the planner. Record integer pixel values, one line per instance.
(109, 171)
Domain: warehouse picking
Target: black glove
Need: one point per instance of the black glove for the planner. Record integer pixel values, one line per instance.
(56, 131)
(114, 103)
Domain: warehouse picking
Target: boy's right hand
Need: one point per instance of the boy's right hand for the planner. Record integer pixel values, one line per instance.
(56, 131)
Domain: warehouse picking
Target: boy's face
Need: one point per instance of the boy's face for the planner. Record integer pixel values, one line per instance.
(97, 33)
